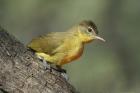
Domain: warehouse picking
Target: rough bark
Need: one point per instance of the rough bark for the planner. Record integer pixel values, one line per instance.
(22, 72)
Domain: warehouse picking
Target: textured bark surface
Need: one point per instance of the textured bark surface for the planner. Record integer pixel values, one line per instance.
(22, 72)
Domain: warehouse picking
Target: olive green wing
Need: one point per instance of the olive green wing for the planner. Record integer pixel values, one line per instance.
(47, 43)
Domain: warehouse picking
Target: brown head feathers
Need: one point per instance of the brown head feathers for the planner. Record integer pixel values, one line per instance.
(89, 23)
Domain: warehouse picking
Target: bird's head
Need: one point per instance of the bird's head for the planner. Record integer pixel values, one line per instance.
(88, 31)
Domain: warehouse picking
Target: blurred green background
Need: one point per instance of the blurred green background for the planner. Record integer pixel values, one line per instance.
(111, 67)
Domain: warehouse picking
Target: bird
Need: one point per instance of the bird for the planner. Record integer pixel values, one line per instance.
(61, 48)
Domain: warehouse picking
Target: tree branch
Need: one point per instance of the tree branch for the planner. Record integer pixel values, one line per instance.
(22, 72)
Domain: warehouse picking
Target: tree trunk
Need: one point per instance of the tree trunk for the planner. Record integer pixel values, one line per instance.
(22, 72)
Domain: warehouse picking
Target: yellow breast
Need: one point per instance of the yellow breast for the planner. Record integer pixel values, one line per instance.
(73, 55)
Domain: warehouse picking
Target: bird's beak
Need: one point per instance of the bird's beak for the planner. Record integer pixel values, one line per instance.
(99, 38)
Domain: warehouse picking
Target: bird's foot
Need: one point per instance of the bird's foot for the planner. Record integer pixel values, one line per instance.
(60, 70)
(64, 75)
(48, 66)
(45, 63)
(63, 72)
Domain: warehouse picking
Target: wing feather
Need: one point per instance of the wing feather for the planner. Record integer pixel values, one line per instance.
(47, 43)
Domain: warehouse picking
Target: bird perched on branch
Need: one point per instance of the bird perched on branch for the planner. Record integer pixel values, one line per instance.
(60, 48)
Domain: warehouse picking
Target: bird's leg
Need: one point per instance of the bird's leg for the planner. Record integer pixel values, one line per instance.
(57, 58)
(42, 57)
(48, 62)
(62, 71)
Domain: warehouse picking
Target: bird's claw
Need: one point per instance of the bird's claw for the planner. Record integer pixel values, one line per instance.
(62, 72)
(50, 67)
(64, 75)
(45, 63)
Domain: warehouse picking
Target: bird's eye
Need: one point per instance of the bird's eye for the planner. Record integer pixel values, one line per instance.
(90, 29)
